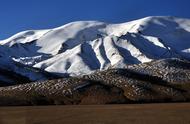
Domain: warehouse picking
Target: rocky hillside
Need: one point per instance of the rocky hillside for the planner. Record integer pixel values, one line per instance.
(166, 80)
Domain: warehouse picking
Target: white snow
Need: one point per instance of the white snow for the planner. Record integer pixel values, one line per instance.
(24, 37)
(82, 47)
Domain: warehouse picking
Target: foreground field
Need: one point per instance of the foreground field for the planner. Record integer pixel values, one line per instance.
(176, 113)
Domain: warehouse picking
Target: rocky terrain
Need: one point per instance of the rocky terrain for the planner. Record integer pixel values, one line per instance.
(166, 80)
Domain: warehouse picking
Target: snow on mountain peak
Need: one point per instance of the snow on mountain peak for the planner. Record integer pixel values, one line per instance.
(82, 47)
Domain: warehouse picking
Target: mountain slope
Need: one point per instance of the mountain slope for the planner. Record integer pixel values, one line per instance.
(168, 81)
(82, 47)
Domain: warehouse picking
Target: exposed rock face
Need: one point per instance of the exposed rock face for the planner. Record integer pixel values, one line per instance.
(158, 81)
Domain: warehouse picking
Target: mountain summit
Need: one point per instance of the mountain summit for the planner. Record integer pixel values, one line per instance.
(82, 47)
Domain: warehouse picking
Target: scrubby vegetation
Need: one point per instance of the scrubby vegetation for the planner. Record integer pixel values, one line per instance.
(157, 81)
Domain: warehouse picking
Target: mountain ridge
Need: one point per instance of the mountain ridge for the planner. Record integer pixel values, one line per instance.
(82, 47)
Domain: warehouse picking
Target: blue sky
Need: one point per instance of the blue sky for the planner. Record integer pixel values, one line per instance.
(19, 15)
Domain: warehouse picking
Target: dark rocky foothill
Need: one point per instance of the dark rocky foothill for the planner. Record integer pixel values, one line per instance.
(166, 80)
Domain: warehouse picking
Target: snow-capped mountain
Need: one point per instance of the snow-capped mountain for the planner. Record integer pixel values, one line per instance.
(82, 47)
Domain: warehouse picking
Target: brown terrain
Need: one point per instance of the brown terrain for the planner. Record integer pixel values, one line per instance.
(158, 81)
(175, 113)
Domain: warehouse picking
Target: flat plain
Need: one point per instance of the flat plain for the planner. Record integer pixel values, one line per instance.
(167, 113)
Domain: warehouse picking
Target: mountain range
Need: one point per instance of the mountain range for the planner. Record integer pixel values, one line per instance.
(149, 51)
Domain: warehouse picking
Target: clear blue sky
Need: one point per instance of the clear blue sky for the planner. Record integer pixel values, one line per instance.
(19, 15)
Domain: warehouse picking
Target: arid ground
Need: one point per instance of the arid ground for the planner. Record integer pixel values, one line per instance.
(169, 113)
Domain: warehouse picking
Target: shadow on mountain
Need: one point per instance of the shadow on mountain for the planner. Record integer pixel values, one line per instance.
(169, 31)
(128, 58)
(87, 34)
(146, 47)
(27, 49)
(89, 56)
